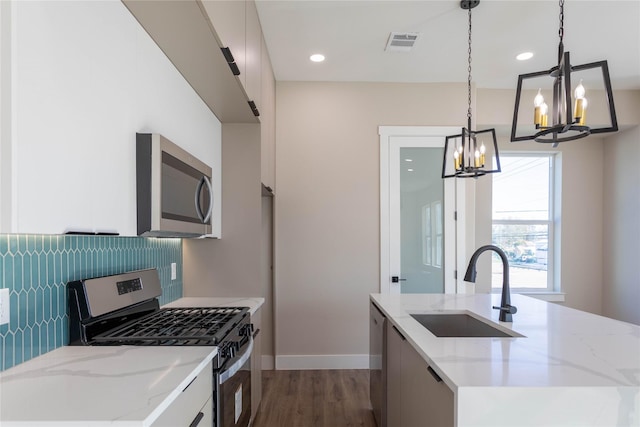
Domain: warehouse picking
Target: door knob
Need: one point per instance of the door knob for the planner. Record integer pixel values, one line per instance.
(396, 279)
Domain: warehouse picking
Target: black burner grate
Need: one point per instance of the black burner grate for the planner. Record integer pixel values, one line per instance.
(176, 326)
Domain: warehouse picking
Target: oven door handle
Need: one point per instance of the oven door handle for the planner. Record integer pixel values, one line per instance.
(235, 367)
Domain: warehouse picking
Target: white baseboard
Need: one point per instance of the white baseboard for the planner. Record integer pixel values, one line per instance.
(325, 361)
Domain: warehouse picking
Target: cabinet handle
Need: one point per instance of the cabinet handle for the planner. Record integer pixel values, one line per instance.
(433, 374)
(197, 419)
(399, 333)
(254, 108)
(230, 60)
(189, 385)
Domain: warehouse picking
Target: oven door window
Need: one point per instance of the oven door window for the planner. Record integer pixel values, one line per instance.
(186, 192)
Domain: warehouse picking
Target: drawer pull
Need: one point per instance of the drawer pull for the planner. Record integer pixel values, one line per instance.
(197, 419)
(189, 385)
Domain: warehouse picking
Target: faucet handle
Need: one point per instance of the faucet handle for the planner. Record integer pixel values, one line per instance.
(511, 309)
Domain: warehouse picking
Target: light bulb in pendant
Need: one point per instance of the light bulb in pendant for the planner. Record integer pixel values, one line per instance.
(581, 104)
(579, 92)
(537, 103)
(456, 159)
(483, 150)
(543, 114)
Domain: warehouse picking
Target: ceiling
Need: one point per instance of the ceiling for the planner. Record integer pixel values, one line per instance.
(353, 36)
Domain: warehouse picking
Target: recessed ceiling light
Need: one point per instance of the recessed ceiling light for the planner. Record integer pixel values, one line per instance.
(409, 170)
(316, 57)
(408, 160)
(524, 56)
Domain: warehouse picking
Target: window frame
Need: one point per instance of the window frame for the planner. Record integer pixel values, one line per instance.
(552, 223)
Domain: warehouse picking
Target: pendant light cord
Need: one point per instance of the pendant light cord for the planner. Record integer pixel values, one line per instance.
(561, 32)
(469, 75)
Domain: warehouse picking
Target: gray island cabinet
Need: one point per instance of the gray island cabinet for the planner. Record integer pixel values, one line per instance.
(561, 366)
(416, 396)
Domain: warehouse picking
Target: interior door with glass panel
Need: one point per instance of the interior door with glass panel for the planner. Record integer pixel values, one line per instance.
(422, 226)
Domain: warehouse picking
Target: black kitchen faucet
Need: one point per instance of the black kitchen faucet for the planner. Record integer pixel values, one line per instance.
(506, 309)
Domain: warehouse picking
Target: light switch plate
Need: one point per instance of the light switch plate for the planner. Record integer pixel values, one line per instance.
(4, 306)
(174, 271)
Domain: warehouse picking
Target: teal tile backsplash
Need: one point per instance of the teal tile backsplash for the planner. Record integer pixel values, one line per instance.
(36, 269)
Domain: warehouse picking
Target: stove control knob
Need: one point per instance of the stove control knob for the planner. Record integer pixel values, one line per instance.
(230, 349)
(246, 330)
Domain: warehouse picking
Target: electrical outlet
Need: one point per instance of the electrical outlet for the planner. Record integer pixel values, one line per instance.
(174, 271)
(4, 306)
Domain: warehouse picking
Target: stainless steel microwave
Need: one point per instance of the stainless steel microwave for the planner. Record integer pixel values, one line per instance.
(173, 189)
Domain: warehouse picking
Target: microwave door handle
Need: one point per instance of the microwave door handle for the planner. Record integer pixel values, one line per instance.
(197, 199)
(210, 188)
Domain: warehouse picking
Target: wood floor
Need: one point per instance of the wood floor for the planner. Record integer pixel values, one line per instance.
(325, 398)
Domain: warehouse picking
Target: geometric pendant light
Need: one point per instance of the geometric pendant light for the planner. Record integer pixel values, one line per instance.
(470, 154)
(566, 119)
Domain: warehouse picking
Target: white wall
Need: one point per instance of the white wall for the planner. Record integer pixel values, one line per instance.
(327, 204)
(230, 266)
(621, 284)
(327, 209)
(85, 78)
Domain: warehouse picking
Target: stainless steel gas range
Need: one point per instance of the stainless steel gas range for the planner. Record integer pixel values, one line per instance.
(123, 309)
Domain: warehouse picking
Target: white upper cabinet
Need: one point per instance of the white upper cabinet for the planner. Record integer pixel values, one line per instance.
(253, 55)
(228, 18)
(85, 77)
(237, 27)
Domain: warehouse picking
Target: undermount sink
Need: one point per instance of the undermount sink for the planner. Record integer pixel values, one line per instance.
(460, 325)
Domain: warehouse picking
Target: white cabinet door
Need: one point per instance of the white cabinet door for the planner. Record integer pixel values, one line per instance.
(195, 399)
(229, 23)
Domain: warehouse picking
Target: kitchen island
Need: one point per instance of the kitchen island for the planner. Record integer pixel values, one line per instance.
(568, 367)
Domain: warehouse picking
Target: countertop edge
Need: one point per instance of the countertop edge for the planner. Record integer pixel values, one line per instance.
(159, 410)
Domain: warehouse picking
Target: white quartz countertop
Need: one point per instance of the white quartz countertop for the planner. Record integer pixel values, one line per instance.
(253, 303)
(569, 368)
(98, 386)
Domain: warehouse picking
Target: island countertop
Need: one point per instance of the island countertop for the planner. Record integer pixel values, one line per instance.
(592, 362)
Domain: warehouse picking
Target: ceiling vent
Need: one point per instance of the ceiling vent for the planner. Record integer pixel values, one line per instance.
(401, 42)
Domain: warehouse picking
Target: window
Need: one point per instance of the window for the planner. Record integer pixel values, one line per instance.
(523, 221)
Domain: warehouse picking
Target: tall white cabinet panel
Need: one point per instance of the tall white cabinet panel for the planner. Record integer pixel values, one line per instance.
(85, 78)
(267, 122)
